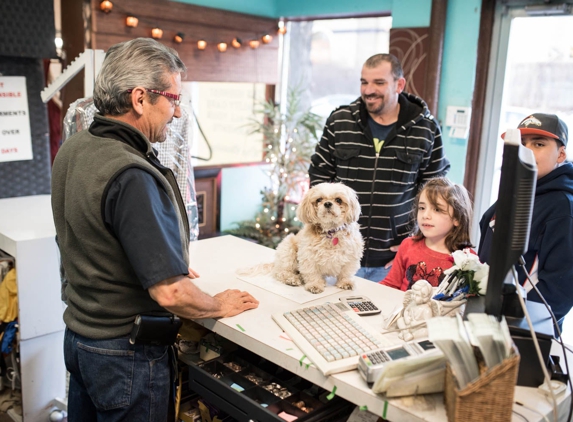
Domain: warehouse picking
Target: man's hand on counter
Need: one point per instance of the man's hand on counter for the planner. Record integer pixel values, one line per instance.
(182, 297)
(233, 302)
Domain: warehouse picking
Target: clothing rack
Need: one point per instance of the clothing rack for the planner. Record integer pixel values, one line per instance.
(90, 60)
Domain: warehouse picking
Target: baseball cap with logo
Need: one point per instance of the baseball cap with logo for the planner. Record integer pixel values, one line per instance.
(545, 125)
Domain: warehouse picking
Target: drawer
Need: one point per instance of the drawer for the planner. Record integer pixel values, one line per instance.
(249, 388)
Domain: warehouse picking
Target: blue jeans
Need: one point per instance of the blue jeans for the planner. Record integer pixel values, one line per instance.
(373, 273)
(113, 380)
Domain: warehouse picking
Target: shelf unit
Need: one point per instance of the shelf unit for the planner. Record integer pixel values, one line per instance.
(27, 233)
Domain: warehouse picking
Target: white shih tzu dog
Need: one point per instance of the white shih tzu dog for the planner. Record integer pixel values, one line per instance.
(329, 244)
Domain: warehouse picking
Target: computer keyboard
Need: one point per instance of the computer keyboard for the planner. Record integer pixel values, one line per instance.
(331, 335)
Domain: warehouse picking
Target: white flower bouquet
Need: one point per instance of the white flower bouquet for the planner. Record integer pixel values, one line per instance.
(467, 277)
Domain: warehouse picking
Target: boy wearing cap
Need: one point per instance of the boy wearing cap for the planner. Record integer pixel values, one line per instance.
(549, 258)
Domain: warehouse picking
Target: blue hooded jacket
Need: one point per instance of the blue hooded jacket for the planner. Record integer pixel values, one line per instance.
(550, 240)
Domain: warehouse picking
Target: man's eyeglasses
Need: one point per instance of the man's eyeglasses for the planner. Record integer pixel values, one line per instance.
(175, 97)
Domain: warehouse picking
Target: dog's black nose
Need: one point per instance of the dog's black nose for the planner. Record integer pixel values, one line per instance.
(327, 204)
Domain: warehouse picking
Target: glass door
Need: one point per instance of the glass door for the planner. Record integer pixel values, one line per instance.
(530, 70)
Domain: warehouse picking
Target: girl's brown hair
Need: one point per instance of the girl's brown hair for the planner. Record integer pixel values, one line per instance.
(457, 198)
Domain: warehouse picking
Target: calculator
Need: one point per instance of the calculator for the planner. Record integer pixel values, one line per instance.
(360, 304)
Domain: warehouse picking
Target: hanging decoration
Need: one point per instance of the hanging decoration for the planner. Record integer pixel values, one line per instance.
(178, 38)
(106, 6)
(132, 21)
(157, 33)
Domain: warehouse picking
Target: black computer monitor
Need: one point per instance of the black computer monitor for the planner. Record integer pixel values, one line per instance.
(509, 241)
(512, 217)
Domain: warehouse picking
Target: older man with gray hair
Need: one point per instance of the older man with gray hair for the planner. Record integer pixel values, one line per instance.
(123, 238)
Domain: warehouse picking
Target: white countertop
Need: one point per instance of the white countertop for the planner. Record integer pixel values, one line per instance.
(216, 260)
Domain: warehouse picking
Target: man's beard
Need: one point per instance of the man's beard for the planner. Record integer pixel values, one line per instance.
(374, 108)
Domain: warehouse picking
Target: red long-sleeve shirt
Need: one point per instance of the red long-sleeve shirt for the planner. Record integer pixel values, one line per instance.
(415, 261)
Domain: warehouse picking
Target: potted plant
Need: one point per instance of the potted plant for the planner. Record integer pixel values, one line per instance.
(290, 139)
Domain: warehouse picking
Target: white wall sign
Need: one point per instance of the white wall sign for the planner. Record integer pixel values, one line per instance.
(15, 137)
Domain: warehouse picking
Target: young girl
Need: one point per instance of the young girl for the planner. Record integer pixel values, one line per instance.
(443, 213)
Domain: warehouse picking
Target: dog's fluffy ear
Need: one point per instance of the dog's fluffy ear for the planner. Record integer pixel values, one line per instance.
(354, 208)
(306, 212)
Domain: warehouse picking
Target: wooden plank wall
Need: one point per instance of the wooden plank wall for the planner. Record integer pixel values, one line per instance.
(196, 22)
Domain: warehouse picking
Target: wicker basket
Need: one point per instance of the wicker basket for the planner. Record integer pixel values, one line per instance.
(489, 398)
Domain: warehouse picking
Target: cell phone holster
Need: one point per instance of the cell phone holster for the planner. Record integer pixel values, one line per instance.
(155, 329)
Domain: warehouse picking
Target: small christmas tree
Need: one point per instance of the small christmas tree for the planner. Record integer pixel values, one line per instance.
(290, 139)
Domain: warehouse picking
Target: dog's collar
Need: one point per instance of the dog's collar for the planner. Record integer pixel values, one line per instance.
(331, 232)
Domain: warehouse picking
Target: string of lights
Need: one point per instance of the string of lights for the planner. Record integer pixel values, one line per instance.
(132, 21)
